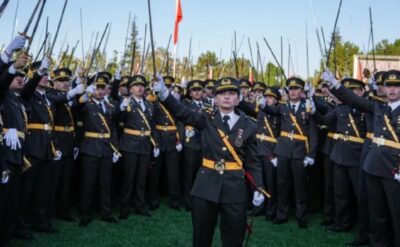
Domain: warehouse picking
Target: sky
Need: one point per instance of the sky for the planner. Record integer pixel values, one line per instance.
(211, 24)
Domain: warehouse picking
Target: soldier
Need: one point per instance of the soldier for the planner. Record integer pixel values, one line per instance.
(381, 162)
(136, 144)
(98, 150)
(192, 151)
(35, 189)
(245, 87)
(346, 154)
(209, 93)
(64, 134)
(229, 148)
(12, 112)
(268, 128)
(168, 138)
(295, 150)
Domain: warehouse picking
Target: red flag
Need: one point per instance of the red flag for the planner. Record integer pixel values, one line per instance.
(178, 19)
(251, 77)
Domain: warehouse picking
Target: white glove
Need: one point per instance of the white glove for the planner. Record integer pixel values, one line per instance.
(118, 74)
(310, 103)
(372, 83)
(44, 66)
(308, 161)
(76, 152)
(178, 147)
(115, 158)
(12, 139)
(58, 155)
(397, 177)
(124, 104)
(156, 152)
(5, 176)
(330, 79)
(160, 88)
(90, 89)
(176, 95)
(75, 91)
(261, 101)
(16, 44)
(258, 198)
(274, 162)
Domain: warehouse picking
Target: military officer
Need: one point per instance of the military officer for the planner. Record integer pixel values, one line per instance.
(229, 149)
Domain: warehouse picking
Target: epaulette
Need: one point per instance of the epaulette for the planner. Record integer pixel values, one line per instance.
(283, 102)
(151, 98)
(377, 98)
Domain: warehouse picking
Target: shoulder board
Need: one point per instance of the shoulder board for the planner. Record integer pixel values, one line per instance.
(283, 102)
(151, 98)
(376, 98)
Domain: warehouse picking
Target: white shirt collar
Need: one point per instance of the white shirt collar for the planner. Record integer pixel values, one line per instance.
(394, 105)
(233, 118)
(296, 105)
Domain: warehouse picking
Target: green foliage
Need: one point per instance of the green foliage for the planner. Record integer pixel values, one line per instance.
(386, 48)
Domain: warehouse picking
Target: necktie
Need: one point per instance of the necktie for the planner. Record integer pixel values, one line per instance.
(141, 105)
(225, 120)
(294, 108)
(101, 107)
(200, 105)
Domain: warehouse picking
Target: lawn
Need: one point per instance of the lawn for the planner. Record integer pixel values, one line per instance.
(168, 227)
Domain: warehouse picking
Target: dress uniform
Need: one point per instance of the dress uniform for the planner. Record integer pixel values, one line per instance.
(64, 134)
(229, 148)
(346, 155)
(209, 93)
(324, 105)
(296, 148)
(35, 189)
(381, 163)
(268, 128)
(136, 144)
(168, 138)
(98, 151)
(192, 147)
(245, 87)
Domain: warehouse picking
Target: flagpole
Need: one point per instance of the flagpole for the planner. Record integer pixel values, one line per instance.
(174, 66)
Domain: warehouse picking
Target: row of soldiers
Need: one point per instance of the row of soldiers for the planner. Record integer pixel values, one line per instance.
(233, 137)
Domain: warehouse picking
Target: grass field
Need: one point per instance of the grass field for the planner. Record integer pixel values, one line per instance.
(171, 228)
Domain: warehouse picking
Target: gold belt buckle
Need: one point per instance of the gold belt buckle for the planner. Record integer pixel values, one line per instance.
(380, 142)
(67, 129)
(46, 127)
(220, 166)
(142, 132)
(165, 127)
(101, 135)
(290, 136)
(345, 138)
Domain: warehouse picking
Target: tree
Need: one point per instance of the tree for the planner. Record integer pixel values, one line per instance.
(386, 48)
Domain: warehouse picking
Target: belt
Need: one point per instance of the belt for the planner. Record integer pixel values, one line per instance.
(266, 138)
(331, 134)
(97, 135)
(383, 142)
(221, 165)
(166, 127)
(346, 138)
(137, 132)
(68, 129)
(293, 136)
(370, 135)
(20, 134)
(34, 126)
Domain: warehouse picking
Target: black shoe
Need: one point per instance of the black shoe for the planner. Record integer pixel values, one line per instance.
(358, 242)
(335, 229)
(109, 219)
(67, 218)
(302, 224)
(85, 222)
(279, 221)
(154, 207)
(123, 215)
(327, 223)
(24, 235)
(45, 229)
(143, 213)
